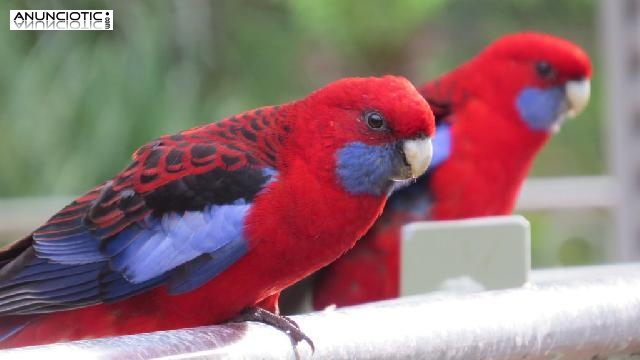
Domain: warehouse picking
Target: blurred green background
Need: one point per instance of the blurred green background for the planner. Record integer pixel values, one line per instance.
(75, 104)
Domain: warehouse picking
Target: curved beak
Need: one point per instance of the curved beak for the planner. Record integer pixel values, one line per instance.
(577, 92)
(417, 153)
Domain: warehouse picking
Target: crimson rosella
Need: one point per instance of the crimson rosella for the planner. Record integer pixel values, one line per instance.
(217, 219)
(493, 114)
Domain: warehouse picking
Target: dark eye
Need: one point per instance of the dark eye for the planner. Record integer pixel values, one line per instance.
(375, 120)
(544, 69)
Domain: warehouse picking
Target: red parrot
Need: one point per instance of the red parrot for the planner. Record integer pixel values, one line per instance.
(217, 219)
(493, 114)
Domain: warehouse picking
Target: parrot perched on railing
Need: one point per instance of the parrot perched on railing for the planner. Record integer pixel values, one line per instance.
(493, 114)
(210, 224)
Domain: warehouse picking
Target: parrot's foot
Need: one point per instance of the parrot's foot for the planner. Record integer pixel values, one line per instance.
(279, 322)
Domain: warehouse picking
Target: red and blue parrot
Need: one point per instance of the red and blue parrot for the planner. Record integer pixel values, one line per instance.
(213, 222)
(493, 114)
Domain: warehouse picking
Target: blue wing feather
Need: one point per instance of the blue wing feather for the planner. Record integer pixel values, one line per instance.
(118, 287)
(80, 248)
(199, 270)
(176, 239)
(65, 268)
(45, 271)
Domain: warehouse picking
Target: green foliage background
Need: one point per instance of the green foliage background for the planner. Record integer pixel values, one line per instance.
(75, 104)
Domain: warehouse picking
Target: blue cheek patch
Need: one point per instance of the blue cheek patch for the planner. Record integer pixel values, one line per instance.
(441, 145)
(539, 108)
(367, 169)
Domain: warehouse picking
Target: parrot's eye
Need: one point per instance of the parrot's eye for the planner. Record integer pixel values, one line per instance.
(545, 70)
(375, 120)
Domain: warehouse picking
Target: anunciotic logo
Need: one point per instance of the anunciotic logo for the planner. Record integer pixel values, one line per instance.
(61, 19)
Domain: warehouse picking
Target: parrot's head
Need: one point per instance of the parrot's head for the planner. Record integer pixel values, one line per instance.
(545, 78)
(369, 132)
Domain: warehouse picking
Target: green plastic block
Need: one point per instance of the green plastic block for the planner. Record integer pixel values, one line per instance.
(465, 255)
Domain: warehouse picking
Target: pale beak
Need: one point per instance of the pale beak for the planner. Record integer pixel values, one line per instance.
(577, 92)
(418, 153)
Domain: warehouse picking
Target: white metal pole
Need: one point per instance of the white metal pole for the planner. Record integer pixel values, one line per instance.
(620, 36)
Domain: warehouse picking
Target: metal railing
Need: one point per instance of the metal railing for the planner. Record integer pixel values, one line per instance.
(595, 315)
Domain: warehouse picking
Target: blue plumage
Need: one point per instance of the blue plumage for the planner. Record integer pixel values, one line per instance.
(541, 108)
(117, 287)
(201, 269)
(441, 145)
(372, 179)
(81, 247)
(73, 286)
(175, 239)
(45, 270)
